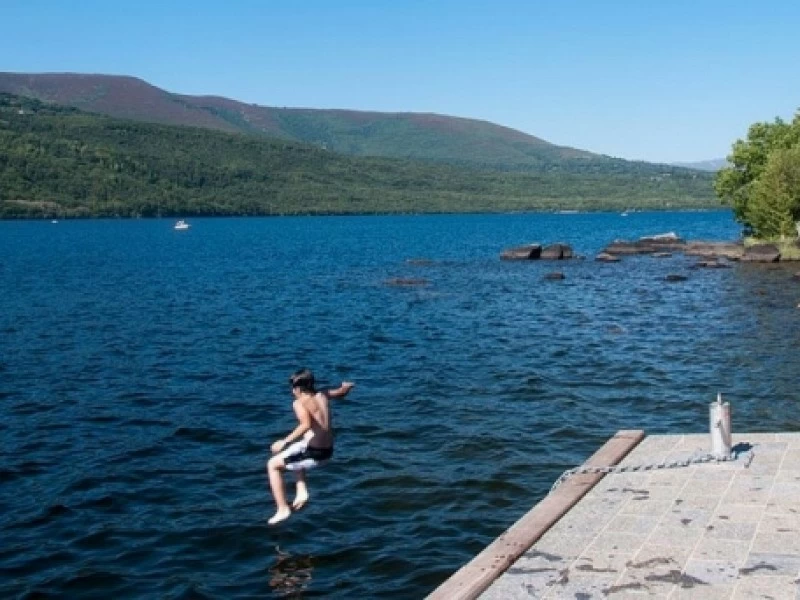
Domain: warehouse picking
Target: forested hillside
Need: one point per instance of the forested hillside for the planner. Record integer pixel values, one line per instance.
(417, 136)
(58, 161)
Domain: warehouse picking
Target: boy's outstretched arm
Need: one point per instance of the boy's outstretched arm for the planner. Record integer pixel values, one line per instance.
(342, 390)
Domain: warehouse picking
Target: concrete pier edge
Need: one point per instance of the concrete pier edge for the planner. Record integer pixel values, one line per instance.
(471, 580)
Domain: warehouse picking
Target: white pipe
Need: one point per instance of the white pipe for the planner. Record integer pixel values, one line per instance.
(720, 427)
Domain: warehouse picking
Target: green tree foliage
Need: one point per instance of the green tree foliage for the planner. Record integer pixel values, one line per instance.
(60, 162)
(761, 185)
(775, 204)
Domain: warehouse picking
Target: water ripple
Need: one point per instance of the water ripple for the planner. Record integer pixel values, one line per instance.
(144, 377)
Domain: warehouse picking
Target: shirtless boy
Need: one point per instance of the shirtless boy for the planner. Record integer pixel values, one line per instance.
(308, 446)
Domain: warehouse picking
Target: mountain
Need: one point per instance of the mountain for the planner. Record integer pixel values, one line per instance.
(713, 165)
(58, 161)
(429, 137)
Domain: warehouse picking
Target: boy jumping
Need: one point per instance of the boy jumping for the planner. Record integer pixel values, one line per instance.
(308, 446)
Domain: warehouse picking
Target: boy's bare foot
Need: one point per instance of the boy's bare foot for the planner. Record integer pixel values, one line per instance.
(281, 515)
(300, 500)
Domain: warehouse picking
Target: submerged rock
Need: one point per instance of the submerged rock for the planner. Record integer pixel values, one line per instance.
(674, 277)
(557, 275)
(711, 264)
(405, 281)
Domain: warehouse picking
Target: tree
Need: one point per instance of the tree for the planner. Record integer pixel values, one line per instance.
(737, 185)
(774, 207)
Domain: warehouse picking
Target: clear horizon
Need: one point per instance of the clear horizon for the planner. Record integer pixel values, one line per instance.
(677, 82)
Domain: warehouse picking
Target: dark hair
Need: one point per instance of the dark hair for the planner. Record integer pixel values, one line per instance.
(303, 379)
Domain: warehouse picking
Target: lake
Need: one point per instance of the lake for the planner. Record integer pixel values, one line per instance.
(143, 375)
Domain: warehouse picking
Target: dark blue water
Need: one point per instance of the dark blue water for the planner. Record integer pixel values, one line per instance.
(143, 376)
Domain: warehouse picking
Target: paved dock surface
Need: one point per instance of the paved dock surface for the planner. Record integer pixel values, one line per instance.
(726, 530)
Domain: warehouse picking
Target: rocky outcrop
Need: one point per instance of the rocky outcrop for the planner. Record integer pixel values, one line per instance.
(665, 242)
(729, 250)
(762, 253)
(662, 237)
(661, 246)
(529, 252)
(557, 251)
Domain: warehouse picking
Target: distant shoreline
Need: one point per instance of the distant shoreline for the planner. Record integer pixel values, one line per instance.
(564, 212)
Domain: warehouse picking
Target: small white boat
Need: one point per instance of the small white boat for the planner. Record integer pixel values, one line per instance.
(180, 225)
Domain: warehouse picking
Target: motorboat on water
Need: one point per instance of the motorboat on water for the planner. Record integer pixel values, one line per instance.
(180, 225)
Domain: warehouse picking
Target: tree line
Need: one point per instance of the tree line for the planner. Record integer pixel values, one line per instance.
(61, 162)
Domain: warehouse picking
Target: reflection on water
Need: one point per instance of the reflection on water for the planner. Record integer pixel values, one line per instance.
(291, 574)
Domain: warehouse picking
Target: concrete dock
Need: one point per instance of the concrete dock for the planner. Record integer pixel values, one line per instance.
(710, 530)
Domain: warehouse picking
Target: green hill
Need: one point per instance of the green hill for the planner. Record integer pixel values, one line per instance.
(59, 161)
(428, 137)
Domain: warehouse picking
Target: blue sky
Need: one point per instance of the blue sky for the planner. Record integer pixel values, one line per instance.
(639, 79)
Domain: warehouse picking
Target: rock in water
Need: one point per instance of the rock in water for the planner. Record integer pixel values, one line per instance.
(528, 252)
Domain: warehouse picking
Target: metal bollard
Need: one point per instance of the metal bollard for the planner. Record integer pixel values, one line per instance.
(720, 426)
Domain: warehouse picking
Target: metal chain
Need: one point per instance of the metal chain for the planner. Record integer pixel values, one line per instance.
(704, 458)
